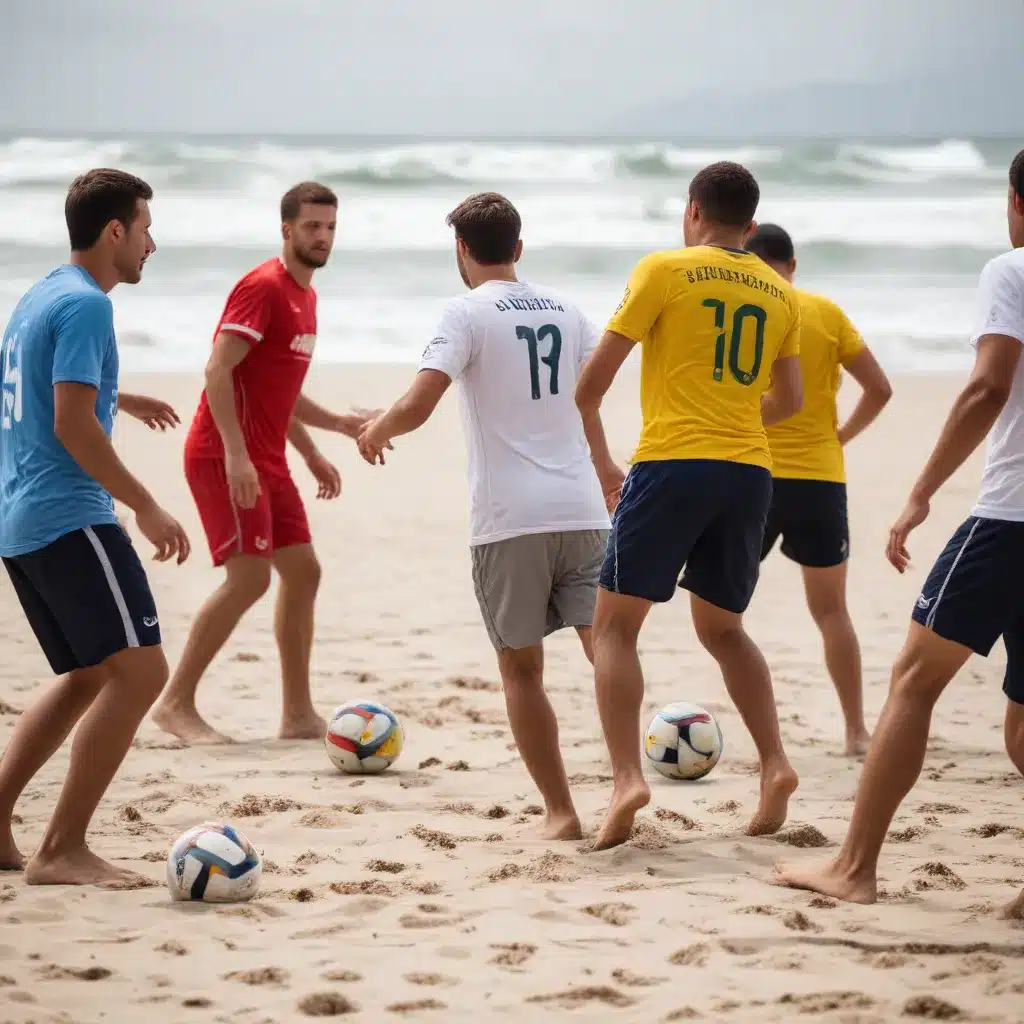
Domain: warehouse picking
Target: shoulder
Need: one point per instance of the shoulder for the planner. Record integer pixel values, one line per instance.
(74, 300)
(1006, 268)
(265, 277)
(813, 304)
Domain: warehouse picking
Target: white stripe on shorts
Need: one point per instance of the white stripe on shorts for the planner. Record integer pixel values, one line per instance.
(930, 619)
(115, 588)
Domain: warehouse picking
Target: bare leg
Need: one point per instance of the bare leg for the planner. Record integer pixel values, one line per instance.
(246, 581)
(535, 729)
(923, 670)
(293, 627)
(36, 738)
(619, 680)
(135, 678)
(826, 599)
(1013, 731)
(749, 683)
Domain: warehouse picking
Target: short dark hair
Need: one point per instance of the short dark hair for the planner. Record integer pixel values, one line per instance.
(489, 225)
(1017, 174)
(726, 192)
(98, 197)
(305, 192)
(771, 243)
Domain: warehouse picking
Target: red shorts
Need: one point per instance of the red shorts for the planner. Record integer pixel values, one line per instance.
(277, 520)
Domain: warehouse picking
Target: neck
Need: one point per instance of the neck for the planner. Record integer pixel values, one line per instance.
(100, 270)
(724, 237)
(301, 274)
(497, 272)
(781, 269)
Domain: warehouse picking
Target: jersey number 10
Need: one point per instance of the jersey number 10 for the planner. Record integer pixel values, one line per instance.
(531, 337)
(755, 313)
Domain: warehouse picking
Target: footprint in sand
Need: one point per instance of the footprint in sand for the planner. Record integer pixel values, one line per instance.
(691, 956)
(326, 1004)
(173, 947)
(611, 913)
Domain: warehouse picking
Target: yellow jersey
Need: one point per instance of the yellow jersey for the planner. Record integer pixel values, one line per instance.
(806, 446)
(710, 321)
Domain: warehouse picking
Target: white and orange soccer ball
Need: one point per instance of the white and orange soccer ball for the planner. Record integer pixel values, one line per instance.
(683, 741)
(363, 738)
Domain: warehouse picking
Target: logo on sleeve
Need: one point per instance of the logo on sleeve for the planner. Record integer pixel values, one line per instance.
(432, 346)
(623, 302)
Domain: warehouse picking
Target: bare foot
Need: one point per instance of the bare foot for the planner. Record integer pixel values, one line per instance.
(11, 858)
(562, 826)
(829, 880)
(776, 789)
(857, 743)
(309, 727)
(74, 867)
(618, 823)
(187, 726)
(1014, 911)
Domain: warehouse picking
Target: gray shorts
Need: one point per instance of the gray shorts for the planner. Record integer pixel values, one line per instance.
(529, 586)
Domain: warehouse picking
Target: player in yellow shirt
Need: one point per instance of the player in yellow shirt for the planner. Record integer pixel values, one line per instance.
(809, 494)
(717, 329)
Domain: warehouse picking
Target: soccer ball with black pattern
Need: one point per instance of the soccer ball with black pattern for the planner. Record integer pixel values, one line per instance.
(683, 741)
(215, 864)
(363, 738)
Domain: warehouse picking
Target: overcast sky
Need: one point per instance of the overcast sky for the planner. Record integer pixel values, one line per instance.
(535, 67)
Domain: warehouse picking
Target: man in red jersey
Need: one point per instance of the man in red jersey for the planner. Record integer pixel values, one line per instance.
(237, 469)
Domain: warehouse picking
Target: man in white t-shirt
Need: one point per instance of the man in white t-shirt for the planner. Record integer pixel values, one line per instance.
(974, 593)
(541, 479)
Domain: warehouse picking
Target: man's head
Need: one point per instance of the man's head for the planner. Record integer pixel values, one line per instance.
(1015, 204)
(107, 212)
(487, 230)
(775, 247)
(309, 218)
(723, 195)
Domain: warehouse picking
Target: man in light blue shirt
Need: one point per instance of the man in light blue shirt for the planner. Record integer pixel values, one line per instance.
(74, 569)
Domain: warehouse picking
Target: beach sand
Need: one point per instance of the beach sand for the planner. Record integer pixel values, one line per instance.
(421, 894)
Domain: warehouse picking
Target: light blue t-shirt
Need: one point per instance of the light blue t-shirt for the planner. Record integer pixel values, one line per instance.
(61, 331)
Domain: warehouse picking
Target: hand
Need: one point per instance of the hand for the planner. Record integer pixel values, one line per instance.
(372, 442)
(611, 479)
(163, 532)
(243, 480)
(915, 513)
(155, 413)
(325, 475)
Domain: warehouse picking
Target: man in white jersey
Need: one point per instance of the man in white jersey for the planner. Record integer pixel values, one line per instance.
(974, 593)
(538, 494)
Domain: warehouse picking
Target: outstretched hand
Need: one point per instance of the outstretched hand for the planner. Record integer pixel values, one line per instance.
(154, 412)
(372, 442)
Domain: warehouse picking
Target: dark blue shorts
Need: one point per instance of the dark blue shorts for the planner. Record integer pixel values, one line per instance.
(973, 595)
(702, 514)
(86, 597)
(810, 517)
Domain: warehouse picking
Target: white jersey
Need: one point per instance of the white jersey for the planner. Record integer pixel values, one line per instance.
(516, 352)
(1001, 295)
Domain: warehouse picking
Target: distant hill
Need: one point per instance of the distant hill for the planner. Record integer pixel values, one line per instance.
(979, 105)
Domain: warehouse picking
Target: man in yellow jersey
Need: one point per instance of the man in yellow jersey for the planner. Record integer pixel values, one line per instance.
(809, 476)
(717, 329)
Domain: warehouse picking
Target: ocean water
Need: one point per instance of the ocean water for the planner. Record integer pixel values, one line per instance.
(896, 232)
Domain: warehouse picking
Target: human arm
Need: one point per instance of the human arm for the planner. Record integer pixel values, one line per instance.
(310, 414)
(595, 380)
(154, 412)
(875, 393)
(82, 330)
(969, 421)
(409, 413)
(786, 397)
(324, 472)
(229, 349)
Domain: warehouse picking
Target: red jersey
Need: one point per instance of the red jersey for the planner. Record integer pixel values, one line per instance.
(277, 316)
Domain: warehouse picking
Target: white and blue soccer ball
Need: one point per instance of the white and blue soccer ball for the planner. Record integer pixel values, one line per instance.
(213, 863)
(683, 741)
(363, 737)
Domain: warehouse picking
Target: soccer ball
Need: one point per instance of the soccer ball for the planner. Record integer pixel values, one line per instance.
(683, 741)
(363, 737)
(213, 863)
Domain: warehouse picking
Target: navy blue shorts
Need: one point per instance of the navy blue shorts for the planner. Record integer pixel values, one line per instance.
(702, 514)
(810, 517)
(86, 597)
(973, 595)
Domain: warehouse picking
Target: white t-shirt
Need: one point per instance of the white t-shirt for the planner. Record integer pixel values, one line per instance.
(516, 352)
(1001, 297)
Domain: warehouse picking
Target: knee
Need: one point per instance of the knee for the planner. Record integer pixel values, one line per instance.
(913, 681)
(302, 576)
(141, 673)
(719, 638)
(521, 669)
(1015, 734)
(246, 584)
(828, 612)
